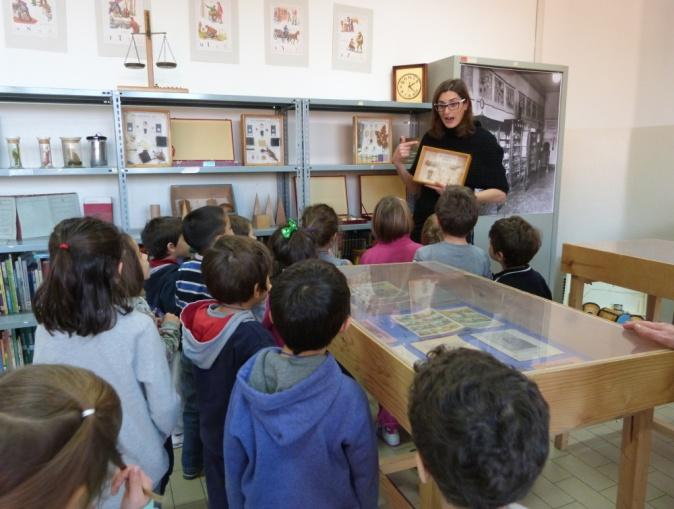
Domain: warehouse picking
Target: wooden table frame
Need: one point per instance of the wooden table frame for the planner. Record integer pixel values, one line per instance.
(578, 395)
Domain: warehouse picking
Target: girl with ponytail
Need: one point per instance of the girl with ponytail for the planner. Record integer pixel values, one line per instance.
(84, 320)
(58, 442)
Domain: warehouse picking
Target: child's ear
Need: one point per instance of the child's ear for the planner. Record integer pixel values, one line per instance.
(424, 476)
(120, 267)
(345, 325)
(171, 248)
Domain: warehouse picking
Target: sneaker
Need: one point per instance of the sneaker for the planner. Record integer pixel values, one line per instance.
(390, 435)
(177, 440)
(189, 476)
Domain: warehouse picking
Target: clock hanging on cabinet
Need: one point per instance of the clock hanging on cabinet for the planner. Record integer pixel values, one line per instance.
(410, 83)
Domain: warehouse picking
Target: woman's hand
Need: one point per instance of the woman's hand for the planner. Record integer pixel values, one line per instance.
(136, 485)
(170, 318)
(437, 187)
(662, 333)
(402, 151)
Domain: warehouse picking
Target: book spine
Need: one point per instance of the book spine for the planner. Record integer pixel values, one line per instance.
(12, 286)
(26, 285)
(8, 290)
(18, 283)
(4, 310)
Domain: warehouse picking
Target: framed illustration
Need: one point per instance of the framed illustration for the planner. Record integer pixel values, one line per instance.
(185, 199)
(262, 140)
(116, 20)
(518, 345)
(147, 138)
(286, 27)
(200, 141)
(375, 187)
(213, 31)
(371, 140)
(331, 191)
(352, 38)
(427, 323)
(438, 166)
(469, 318)
(410, 83)
(39, 25)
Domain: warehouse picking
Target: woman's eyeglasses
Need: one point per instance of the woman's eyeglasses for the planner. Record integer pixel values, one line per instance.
(451, 106)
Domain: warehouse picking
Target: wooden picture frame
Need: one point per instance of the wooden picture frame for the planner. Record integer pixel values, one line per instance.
(404, 80)
(439, 166)
(327, 190)
(372, 140)
(375, 187)
(147, 138)
(185, 199)
(262, 140)
(197, 141)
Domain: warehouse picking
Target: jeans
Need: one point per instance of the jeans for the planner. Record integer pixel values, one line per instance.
(192, 459)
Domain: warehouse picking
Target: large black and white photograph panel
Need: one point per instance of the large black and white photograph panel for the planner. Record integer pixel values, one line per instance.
(521, 109)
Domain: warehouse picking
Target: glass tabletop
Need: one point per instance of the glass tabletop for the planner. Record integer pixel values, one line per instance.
(414, 307)
(648, 249)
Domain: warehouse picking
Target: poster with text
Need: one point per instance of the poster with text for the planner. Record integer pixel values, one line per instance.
(286, 32)
(116, 20)
(35, 24)
(352, 38)
(213, 31)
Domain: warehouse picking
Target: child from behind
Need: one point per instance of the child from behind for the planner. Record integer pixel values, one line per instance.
(201, 228)
(298, 430)
(480, 428)
(85, 320)
(513, 243)
(163, 242)
(322, 223)
(431, 231)
(241, 226)
(391, 225)
(219, 336)
(457, 212)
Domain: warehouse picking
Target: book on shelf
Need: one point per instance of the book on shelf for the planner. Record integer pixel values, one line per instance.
(34, 216)
(16, 348)
(100, 208)
(21, 275)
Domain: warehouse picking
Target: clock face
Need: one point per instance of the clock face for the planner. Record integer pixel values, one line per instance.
(409, 86)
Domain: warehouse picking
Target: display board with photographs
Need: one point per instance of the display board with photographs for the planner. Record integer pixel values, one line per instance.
(371, 140)
(185, 199)
(147, 138)
(439, 166)
(262, 140)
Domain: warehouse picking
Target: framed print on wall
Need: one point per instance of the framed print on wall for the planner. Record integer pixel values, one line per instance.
(116, 20)
(147, 138)
(262, 140)
(439, 166)
(352, 38)
(214, 31)
(286, 27)
(39, 25)
(371, 140)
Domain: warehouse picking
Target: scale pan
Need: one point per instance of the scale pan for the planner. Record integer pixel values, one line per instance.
(167, 65)
(134, 65)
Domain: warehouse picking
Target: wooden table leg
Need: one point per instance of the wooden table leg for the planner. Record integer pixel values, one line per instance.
(653, 308)
(431, 498)
(575, 301)
(395, 499)
(634, 459)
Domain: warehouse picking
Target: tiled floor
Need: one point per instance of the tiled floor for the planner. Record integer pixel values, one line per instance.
(582, 476)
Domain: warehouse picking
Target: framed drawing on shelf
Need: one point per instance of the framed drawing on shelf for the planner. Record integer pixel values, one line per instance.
(371, 140)
(202, 142)
(438, 166)
(185, 199)
(147, 138)
(375, 187)
(331, 191)
(262, 140)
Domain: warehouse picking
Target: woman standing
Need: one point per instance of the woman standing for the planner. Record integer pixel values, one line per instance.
(453, 128)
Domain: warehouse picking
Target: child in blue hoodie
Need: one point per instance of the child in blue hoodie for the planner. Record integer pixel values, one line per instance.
(219, 336)
(299, 431)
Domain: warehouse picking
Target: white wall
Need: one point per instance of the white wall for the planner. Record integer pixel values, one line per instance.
(617, 159)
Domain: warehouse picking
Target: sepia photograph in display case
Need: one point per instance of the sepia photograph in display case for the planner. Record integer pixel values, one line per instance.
(439, 166)
(371, 140)
(521, 108)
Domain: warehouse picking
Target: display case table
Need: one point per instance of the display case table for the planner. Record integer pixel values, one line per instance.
(588, 370)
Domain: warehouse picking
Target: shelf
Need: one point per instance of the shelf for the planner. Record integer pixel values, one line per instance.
(54, 95)
(204, 100)
(259, 232)
(356, 226)
(52, 172)
(369, 106)
(352, 167)
(17, 321)
(19, 246)
(192, 170)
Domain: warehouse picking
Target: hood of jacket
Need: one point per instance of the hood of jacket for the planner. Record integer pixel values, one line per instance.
(205, 335)
(289, 415)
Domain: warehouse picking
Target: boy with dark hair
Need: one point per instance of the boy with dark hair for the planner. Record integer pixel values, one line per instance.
(480, 427)
(201, 228)
(513, 243)
(219, 336)
(457, 213)
(298, 431)
(163, 242)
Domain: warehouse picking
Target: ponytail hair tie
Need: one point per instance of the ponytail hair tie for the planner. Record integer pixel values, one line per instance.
(288, 230)
(87, 412)
(64, 245)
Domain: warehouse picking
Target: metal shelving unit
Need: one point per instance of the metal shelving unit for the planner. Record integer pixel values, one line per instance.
(17, 321)
(195, 170)
(56, 172)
